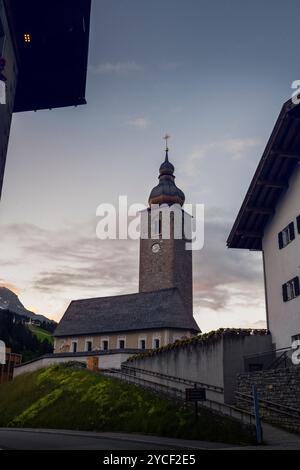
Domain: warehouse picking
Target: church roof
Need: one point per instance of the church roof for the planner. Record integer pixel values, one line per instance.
(142, 311)
(166, 192)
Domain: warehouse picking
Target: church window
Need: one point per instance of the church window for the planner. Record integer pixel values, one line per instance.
(88, 345)
(121, 343)
(105, 344)
(142, 344)
(156, 343)
(74, 346)
(156, 227)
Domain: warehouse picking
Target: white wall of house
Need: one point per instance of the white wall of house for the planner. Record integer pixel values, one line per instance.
(282, 265)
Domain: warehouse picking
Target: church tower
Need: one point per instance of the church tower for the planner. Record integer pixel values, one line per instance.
(164, 260)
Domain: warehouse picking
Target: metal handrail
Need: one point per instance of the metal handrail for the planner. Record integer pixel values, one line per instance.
(271, 405)
(172, 378)
(278, 360)
(214, 406)
(264, 353)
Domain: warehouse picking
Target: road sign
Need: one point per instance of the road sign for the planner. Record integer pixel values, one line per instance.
(195, 394)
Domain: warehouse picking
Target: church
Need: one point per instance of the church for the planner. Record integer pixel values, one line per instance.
(161, 312)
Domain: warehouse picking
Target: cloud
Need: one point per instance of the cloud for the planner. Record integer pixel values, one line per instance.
(117, 68)
(224, 278)
(53, 267)
(139, 122)
(233, 148)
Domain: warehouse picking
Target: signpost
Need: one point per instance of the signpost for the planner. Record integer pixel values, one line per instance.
(259, 436)
(195, 394)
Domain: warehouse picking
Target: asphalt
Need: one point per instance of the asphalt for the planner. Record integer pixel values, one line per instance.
(53, 439)
(47, 439)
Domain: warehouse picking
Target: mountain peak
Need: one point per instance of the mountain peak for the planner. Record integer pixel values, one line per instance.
(10, 301)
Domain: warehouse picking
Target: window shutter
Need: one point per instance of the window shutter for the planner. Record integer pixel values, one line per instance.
(280, 240)
(284, 293)
(298, 223)
(297, 286)
(292, 231)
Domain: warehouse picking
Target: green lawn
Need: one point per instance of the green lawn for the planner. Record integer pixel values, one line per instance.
(66, 397)
(41, 334)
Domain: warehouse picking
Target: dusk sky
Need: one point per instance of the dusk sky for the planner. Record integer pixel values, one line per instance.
(212, 73)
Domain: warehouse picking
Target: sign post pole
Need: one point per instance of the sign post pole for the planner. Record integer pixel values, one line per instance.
(259, 436)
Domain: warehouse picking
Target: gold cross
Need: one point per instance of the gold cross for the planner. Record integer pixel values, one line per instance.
(166, 138)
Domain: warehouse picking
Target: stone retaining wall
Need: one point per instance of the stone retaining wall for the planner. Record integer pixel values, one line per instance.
(280, 386)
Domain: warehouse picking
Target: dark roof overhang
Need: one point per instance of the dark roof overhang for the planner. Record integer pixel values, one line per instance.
(271, 179)
(53, 65)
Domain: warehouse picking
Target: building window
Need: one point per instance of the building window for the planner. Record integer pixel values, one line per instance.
(74, 346)
(298, 223)
(291, 289)
(105, 345)
(156, 228)
(88, 345)
(295, 338)
(121, 342)
(286, 235)
(142, 344)
(156, 343)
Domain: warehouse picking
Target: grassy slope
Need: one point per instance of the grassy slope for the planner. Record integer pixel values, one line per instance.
(41, 334)
(67, 398)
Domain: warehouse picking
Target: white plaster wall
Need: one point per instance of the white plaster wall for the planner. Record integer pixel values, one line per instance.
(106, 361)
(283, 265)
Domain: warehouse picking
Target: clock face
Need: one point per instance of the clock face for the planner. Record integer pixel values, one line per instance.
(155, 248)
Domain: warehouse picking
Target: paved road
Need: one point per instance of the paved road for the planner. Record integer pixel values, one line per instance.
(35, 439)
(44, 439)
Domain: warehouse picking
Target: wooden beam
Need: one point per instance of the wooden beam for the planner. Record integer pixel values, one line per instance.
(246, 234)
(271, 184)
(283, 154)
(260, 210)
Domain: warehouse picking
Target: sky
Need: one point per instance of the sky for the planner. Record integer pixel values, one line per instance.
(213, 74)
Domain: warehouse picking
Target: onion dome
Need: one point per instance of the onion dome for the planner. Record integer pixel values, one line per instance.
(166, 192)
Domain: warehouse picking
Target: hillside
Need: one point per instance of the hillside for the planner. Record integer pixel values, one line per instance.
(41, 334)
(17, 336)
(10, 301)
(68, 397)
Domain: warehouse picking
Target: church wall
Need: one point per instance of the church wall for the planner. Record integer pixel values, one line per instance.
(132, 340)
(171, 266)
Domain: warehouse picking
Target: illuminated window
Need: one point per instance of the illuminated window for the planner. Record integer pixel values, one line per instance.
(27, 37)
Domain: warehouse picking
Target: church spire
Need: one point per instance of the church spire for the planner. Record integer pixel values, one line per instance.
(166, 192)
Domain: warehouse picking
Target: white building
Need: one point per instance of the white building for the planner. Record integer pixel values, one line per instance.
(269, 221)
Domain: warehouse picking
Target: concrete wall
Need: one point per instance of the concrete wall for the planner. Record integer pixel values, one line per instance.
(277, 385)
(282, 266)
(214, 362)
(106, 361)
(10, 72)
(203, 363)
(235, 350)
(132, 340)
